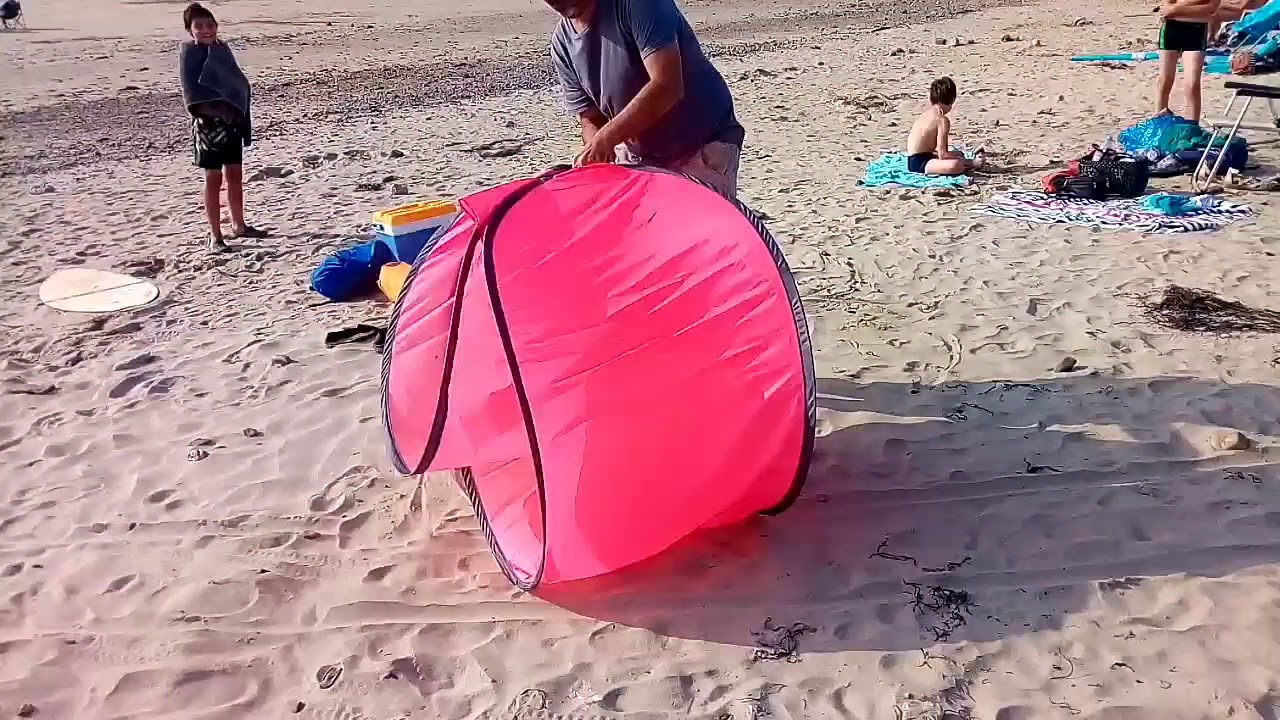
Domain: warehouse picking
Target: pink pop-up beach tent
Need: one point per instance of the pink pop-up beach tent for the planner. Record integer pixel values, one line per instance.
(610, 358)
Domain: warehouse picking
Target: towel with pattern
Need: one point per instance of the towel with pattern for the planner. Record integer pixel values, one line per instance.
(891, 169)
(1119, 214)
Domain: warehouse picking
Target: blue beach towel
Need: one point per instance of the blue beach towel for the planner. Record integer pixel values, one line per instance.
(1254, 26)
(1171, 204)
(1216, 62)
(891, 169)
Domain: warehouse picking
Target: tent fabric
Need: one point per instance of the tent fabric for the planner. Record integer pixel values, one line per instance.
(609, 358)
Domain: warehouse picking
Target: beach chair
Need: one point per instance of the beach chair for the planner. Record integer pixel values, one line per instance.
(1243, 93)
(11, 15)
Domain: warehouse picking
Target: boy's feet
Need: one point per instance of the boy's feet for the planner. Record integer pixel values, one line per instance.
(250, 232)
(217, 244)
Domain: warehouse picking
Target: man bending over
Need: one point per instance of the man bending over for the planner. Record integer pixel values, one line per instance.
(635, 75)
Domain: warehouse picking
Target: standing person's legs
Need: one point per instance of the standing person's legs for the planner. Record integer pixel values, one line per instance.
(1171, 47)
(234, 171)
(213, 203)
(209, 157)
(235, 196)
(1193, 72)
(1164, 82)
(716, 164)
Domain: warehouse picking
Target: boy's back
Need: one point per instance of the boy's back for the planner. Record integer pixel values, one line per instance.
(923, 137)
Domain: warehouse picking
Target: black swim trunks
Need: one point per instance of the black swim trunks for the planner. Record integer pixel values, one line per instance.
(916, 162)
(217, 142)
(1184, 36)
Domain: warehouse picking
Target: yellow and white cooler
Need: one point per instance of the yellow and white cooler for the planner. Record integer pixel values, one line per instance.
(408, 229)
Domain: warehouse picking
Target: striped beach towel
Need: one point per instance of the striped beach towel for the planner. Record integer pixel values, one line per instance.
(1119, 214)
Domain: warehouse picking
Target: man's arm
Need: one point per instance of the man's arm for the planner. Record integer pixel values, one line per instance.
(592, 120)
(664, 89)
(654, 26)
(576, 99)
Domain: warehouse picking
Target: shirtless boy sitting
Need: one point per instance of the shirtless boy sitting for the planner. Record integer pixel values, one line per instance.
(928, 148)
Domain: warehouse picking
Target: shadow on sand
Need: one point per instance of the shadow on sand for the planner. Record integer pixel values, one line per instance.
(1030, 500)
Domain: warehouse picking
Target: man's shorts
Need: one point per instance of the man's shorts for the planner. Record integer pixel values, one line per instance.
(716, 164)
(1183, 36)
(217, 143)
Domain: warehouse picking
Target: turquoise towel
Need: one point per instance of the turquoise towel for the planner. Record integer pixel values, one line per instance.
(1170, 204)
(891, 169)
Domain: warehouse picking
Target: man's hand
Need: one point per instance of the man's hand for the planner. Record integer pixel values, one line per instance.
(599, 149)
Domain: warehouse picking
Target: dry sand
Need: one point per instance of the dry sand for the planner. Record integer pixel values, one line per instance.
(198, 513)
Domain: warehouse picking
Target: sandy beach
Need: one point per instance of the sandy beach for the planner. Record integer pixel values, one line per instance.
(199, 518)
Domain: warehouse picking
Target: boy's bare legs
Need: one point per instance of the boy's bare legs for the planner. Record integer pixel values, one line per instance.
(950, 166)
(235, 197)
(1168, 73)
(1193, 71)
(235, 202)
(213, 203)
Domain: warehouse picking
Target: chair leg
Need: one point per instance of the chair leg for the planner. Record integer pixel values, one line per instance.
(1222, 154)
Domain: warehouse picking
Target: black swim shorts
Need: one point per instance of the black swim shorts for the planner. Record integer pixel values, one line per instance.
(217, 143)
(1183, 36)
(916, 162)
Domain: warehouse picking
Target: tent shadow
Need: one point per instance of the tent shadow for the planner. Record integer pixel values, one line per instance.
(1032, 500)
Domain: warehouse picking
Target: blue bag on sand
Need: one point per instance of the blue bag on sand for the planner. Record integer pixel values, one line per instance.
(351, 273)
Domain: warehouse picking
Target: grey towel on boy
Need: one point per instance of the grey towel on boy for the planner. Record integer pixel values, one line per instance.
(210, 74)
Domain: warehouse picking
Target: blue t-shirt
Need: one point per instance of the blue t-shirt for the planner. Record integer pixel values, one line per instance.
(603, 68)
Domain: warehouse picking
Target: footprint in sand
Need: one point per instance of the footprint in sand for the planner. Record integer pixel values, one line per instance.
(333, 500)
(348, 529)
(164, 497)
(160, 496)
(131, 381)
(120, 583)
(272, 542)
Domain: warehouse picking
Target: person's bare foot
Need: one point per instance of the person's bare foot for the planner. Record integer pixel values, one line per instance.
(979, 160)
(217, 244)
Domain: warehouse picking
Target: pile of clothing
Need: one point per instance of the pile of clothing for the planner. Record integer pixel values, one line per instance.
(1173, 145)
